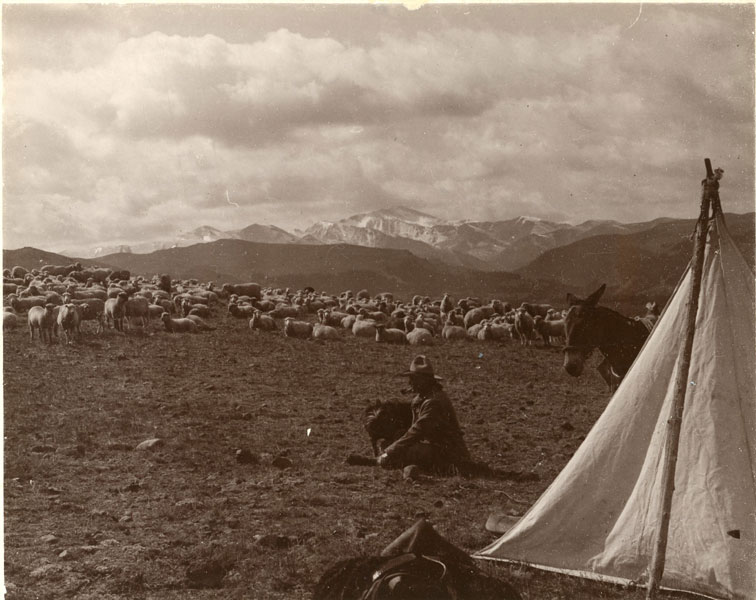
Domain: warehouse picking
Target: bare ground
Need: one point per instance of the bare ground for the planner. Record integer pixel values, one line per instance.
(187, 520)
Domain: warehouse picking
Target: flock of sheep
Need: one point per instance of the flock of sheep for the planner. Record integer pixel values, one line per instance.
(58, 299)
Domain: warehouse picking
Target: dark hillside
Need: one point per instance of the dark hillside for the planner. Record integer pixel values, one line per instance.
(34, 258)
(648, 262)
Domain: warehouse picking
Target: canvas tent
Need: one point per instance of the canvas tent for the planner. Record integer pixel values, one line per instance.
(600, 516)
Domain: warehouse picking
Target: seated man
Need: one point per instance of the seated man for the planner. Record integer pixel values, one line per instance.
(434, 440)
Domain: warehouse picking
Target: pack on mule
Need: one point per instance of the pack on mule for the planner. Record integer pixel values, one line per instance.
(588, 326)
(419, 564)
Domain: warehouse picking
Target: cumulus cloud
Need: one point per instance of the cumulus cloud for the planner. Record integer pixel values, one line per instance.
(133, 129)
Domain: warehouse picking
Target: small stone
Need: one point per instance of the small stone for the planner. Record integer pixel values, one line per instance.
(89, 549)
(150, 444)
(125, 519)
(282, 462)
(438, 503)
(567, 426)
(49, 539)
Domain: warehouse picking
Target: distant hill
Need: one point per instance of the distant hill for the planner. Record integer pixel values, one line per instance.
(332, 268)
(649, 261)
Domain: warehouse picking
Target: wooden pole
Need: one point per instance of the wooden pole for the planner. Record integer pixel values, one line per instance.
(709, 194)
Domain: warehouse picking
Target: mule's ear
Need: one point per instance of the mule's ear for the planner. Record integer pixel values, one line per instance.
(572, 300)
(593, 299)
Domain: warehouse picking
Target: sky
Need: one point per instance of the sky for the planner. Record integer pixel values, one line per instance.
(128, 123)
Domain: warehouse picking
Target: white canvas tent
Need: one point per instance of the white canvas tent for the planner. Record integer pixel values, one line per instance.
(600, 516)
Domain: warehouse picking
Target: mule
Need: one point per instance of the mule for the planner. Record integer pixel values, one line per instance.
(618, 338)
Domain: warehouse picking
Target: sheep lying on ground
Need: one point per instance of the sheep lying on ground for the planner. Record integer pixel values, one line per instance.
(325, 332)
(453, 332)
(262, 322)
(420, 337)
(202, 325)
(389, 336)
(178, 325)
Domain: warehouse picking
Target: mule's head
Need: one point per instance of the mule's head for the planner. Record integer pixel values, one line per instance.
(583, 332)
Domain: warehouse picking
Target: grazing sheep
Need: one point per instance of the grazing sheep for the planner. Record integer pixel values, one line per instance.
(69, 320)
(25, 304)
(262, 322)
(43, 319)
(18, 272)
(420, 337)
(363, 327)
(524, 326)
(155, 311)
(242, 289)
(114, 309)
(476, 315)
(178, 325)
(297, 329)
(325, 332)
(137, 307)
(389, 336)
(550, 331)
(535, 310)
(202, 325)
(284, 312)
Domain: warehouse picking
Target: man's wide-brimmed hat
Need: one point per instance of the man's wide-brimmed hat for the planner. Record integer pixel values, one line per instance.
(420, 365)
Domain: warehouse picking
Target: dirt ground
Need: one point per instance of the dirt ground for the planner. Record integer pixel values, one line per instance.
(89, 516)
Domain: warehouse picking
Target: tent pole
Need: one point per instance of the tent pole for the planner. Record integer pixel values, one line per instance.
(709, 196)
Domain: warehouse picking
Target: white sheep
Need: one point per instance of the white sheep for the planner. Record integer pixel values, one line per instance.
(178, 325)
(325, 332)
(363, 327)
(297, 329)
(262, 322)
(10, 321)
(69, 320)
(202, 325)
(42, 319)
(389, 336)
(420, 337)
(453, 332)
(114, 309)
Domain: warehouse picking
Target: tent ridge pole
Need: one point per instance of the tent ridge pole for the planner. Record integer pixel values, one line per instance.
(709, 197)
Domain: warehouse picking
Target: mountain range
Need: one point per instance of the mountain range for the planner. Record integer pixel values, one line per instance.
(638, 262)
(504, 245)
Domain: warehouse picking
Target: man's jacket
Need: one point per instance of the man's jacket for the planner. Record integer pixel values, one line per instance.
(434, 421)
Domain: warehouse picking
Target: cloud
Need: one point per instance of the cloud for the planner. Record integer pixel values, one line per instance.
(134, 129)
